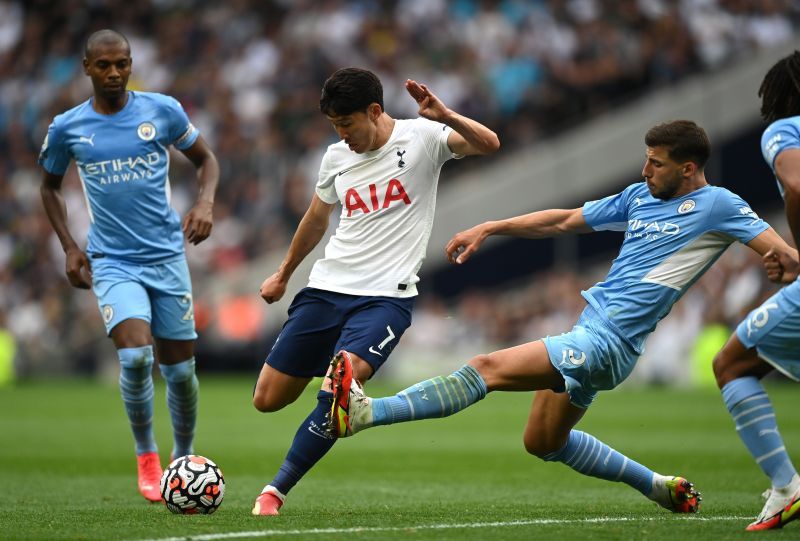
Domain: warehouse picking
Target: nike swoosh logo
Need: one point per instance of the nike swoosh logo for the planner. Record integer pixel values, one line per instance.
(314, 429)
(372, 350)
(343, 171)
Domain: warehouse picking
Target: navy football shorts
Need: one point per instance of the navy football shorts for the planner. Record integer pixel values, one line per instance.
(323, 322)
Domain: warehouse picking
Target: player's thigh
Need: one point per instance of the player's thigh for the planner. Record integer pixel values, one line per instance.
(122, 296)
(307, 341)
(551, 419)
(526, 367)
(170, 290)
(371, 330)
(590, 358)
(773, 331)
(275, 390)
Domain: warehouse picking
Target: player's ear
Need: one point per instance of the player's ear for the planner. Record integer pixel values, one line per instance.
(85, 66)
(689, 169)
(374, 110)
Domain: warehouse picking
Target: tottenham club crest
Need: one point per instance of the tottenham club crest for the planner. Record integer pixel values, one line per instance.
(146, 131)
(108, 313)
(686, 206)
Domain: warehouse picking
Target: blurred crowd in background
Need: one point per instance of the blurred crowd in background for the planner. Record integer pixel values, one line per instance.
(249, 72)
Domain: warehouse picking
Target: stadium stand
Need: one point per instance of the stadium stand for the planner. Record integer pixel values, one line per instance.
(249, 74)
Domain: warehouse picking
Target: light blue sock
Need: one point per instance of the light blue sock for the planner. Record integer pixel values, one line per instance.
(437, 397)
(755, 422)
(587, 455)
(182, 391)
(136, 387)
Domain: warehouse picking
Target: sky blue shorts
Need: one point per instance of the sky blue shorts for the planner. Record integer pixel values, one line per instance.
(159, 294)
(323, 322)
(591, 357)
(774, 330)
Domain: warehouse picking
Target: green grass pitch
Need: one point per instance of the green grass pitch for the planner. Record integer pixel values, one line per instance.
(66, 460)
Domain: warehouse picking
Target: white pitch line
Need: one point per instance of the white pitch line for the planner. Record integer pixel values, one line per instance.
(465, 525)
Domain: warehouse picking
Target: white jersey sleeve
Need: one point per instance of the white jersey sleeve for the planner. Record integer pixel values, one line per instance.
(326, 189)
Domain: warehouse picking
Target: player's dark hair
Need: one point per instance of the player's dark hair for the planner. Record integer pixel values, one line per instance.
(350, 90)
(780, 89)
(684, 140)
(104, 37)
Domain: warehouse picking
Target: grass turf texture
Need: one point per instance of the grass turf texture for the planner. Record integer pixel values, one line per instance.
(66, 457)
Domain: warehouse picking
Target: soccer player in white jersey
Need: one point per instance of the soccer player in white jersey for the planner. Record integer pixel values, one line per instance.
(769, 337)
(384, 173)
(134, 259)
(675, 226)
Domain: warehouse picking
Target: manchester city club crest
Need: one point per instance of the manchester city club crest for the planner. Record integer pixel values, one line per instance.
(108, 313)
(686, 206)
(146, 131)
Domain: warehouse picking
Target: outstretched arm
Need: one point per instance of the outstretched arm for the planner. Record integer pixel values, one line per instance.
(536, 225)
(199, 220)
(468, 136)
(310, 231)
(78, 269)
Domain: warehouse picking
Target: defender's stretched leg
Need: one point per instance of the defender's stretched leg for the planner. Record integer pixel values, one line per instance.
(520, 368)
(549, 434)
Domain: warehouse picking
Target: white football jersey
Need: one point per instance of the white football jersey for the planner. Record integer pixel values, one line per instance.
(388, 198)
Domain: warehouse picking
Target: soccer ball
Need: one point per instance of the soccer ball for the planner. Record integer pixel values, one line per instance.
(192, 484)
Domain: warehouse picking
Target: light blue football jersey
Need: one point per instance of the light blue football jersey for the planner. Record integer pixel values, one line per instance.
(780, 135)
(668, 245)
(123, 164)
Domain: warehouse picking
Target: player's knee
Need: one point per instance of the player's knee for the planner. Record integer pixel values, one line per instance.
(267, 402)
(260, 402)
(485, 364)
(264, 405)
(723, 367)
(540, 444)
(136, 357)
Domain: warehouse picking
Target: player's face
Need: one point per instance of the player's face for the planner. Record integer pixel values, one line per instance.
(358, 130)
(109, 67)
(664, 176)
